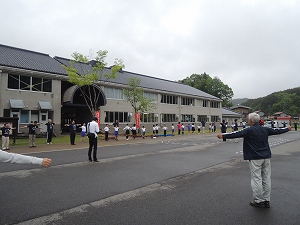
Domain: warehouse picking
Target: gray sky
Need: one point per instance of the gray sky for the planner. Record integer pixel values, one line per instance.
(253, 46)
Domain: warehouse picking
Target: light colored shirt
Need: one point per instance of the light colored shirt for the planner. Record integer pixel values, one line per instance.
(9, 157)
(83, 128)
(93, 128)
(126, 128)
(106, 129)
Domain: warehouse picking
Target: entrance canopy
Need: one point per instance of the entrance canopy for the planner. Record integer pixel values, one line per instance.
(73, 96)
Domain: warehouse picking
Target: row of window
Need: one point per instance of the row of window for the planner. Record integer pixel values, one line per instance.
(124, 117)
(116, 93)
(29, 83)
(169, 99)
(26, 116)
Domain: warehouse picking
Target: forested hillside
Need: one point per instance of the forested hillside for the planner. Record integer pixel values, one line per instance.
(287, 101)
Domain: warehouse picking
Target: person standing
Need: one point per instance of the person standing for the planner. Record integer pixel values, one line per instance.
(295, 125)
(50, 126)
(236, 128)
(106, 130)
(32, 133)
(72, 132)
(193, 128)
(93, 128)
(198, 128)
(244, 124)
(223, 126)
(116, 123)
(182, 128)
(127, 131)
(5, 136)
(179, 128)
(156, 130)
(256, 149)
(173, 130)
(116, 133)
(189, 128)
(133, 130)
(83, 132)
(143, 132)
(203, 126)
(165, 128)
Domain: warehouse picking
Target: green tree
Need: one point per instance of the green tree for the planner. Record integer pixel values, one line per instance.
(134, 94)
(287, 101)
(86, 77)
(213, 86)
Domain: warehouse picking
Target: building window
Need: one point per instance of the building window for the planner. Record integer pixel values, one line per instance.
(187, 101)
(114, 93)
(187, 118)
(168, 118)
(24, 116)
(149, 118)
(214, 104)
(29, 83)
(205, 103)
(215, 118)
(151, 96)
(169, 99)
(111, 117)
(201, 118)
(35, 115)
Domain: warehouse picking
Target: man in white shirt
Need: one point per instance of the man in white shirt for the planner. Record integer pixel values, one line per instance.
(93, 128)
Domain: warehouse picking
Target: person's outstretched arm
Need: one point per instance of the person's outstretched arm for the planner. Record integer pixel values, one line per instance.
(23, 159)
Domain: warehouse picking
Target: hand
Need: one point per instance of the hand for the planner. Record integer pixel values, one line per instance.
(220, 136)
(46, 162)
(290, 128)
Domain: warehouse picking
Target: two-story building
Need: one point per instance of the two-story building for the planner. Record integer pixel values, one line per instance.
(35, 87)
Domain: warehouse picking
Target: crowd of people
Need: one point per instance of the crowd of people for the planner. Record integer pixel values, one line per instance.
(256, 148)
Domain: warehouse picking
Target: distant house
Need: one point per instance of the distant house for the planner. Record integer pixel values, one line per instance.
(243, 110)
(230, 116)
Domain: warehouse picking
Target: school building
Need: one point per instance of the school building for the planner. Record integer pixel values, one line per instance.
(35, 87)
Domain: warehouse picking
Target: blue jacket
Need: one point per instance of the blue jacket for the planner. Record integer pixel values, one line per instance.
(256, 145)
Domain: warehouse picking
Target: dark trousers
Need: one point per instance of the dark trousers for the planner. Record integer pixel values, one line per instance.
(49, 137)
(93, 145)
(178, 132)
(106, 135)
(165, 133)
(224, 131)
(72, 138)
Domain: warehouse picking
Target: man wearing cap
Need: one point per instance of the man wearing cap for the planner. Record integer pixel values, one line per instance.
(93, 128)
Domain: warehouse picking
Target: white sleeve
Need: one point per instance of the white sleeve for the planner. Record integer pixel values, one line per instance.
(18, 158)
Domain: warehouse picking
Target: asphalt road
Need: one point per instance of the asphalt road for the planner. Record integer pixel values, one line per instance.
(191, 180)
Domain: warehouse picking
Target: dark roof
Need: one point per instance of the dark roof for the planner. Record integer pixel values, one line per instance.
(146, 81)
(29, 60)
(240, 106)
(228, 112)
(35, 61)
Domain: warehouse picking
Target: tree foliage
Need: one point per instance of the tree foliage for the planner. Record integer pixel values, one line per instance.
(134, 94)
(213, 86)
(81, 74)
(287, 101)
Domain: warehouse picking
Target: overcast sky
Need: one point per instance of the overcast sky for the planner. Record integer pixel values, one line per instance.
(253, 46)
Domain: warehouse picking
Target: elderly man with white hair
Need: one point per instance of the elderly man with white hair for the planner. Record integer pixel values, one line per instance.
(256, 149)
